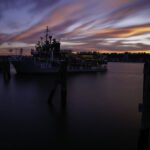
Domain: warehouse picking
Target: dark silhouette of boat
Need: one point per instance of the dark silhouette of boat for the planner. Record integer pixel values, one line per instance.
(47, 58)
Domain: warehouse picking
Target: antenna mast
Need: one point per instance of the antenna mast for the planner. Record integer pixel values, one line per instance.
(47, 31)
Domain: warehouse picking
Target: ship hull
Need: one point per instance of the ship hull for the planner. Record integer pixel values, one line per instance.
(30, 66)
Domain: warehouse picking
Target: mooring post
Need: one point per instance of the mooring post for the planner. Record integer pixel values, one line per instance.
(62, 80)
(63, 83)
(50, 98)
(143, 142)
(5, 66)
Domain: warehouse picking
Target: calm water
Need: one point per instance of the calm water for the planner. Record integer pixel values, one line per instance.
(102, 110)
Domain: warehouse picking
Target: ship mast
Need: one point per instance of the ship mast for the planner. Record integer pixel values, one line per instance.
(47, 31)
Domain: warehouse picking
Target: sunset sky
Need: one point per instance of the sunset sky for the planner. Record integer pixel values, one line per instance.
(106, 25)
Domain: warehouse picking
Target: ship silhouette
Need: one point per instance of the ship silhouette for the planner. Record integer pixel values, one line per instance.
(47, 58)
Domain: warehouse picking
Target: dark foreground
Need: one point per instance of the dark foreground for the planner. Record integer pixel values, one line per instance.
(101, 111)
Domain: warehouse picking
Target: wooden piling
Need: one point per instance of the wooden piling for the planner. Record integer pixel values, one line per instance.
(5, 67)
(50, 98)
(143, 142)
(143, 139)
(63, 83)
(62, 80)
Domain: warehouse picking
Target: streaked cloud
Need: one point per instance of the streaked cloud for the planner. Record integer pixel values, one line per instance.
(79, 24)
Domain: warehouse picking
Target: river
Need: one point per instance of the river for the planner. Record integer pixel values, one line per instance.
(101, 113)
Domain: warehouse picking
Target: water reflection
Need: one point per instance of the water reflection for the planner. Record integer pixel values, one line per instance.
(101, 110)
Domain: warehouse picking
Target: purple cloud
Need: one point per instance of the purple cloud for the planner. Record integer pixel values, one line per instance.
(85, 24)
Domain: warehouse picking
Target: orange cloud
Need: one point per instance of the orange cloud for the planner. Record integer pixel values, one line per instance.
(120, 32)
(134, 31)
(56, 18)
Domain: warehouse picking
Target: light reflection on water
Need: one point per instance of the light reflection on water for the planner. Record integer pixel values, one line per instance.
(102, 110)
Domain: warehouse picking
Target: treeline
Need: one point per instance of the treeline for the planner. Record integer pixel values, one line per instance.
(121, 57)
(128, 57)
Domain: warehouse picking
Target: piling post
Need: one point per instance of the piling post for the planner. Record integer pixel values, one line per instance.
(143, 142)
(63, 84)
(62, 80)
(5, 66)
(50, 98)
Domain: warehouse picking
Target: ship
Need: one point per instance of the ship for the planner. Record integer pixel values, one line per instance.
(47, 57)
